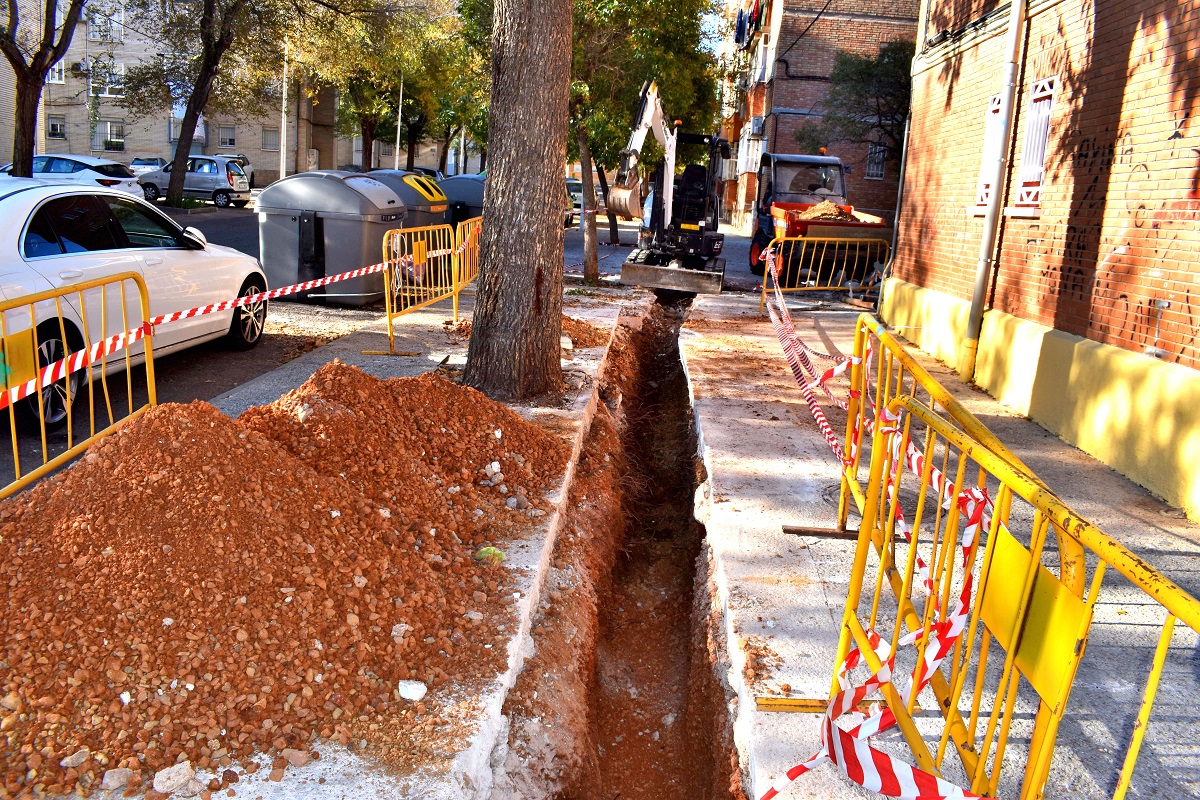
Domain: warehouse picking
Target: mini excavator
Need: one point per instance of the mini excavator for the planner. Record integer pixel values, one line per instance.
(678, 247)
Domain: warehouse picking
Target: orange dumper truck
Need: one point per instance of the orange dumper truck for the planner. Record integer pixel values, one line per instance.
(805, 196)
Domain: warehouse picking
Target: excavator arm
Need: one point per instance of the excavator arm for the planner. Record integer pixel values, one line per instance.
(624, 198)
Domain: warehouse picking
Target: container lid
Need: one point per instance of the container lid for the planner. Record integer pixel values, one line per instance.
(331, 191)
(463, 189)
(419, 192)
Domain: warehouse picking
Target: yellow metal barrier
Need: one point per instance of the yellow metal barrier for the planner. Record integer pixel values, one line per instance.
(891, 371)
(809, 264)
(941, 516)
(426, 265)
(40, 329)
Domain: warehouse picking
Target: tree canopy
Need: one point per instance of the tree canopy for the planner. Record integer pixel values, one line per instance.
(868, 100)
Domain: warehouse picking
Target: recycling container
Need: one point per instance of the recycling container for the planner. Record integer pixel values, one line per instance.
(420, 193)
(316, 224)
(464, 193)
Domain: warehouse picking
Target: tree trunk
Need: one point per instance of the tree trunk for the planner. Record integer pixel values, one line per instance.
(587, 212)
(614, 233)
(29, 92)
(187, 132)
(482, 159)
(413, 144)
(514, 353)
(367, 131)
(450, 133)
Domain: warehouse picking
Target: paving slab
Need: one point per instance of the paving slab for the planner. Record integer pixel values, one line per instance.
(782, 595)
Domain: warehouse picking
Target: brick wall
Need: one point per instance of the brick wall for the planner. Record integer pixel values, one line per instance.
(1116, 233)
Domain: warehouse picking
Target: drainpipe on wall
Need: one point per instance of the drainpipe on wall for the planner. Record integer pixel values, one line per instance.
(991, 220)
(887, 268)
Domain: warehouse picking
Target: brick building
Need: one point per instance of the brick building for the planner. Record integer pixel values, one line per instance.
(779, 54)
(1089, 321)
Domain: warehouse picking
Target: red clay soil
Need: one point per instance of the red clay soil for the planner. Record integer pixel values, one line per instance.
(199, 587)
(583, 334)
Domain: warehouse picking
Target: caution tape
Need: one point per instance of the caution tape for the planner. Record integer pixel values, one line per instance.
(849, 749)
(52, 373)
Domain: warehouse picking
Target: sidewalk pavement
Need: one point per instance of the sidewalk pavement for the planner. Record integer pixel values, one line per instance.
(783, 595)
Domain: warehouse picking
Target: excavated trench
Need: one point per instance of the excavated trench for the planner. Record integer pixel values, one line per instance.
(623, 696)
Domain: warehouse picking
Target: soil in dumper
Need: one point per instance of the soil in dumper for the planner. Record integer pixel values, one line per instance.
(640, 706)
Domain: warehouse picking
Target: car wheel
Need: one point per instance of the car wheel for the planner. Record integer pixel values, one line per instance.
(240, 203)
(222, 199)
(54, 401)
(246, 329)
(150, 191)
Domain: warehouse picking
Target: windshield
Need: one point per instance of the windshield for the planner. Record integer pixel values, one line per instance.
(820, 180)
(113, 170)
(145, 162)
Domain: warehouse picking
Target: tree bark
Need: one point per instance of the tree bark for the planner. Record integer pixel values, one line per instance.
(31, 74)
(413, 142)
(514, 353)
(29, 92)
(367, 131)
(614, 232)
(216, 36)
(450, 133)
(587, 212)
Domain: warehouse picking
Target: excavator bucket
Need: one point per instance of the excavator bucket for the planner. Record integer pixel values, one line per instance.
(626, 201)
(679, 279)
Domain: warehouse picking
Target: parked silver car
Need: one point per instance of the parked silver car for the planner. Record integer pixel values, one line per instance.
(213, 178)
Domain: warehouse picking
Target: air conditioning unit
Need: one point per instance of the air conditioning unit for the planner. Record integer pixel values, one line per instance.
(756, 126)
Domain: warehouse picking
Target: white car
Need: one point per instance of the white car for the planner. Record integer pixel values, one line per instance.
(86, 170)
(140, 166)
(54, 235)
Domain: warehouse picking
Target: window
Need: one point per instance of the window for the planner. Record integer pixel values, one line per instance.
(142, 228)
(991, 148)
(56, 127)
(56, 74)
(108, 80)
(876, 161)
(1037, 136)
(226, 136)
(270, 138)
(106, 24)
(385, 149)
(81, 222)
(204, 167)
(109, 135)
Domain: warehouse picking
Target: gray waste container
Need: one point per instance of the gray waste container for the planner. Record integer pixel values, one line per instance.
(315, 224)
(421, 195)
(464, 193)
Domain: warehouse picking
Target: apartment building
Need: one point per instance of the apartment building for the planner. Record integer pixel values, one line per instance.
(779, 54)
(1083, 311)
(81, 113)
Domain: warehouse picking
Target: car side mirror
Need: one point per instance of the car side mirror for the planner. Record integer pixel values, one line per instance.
(195, 238)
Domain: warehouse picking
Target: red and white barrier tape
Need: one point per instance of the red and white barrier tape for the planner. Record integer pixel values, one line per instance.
(60, 369)
(861, 763)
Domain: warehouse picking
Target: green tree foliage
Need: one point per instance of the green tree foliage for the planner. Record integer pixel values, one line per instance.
(868, 100)
(33, 37)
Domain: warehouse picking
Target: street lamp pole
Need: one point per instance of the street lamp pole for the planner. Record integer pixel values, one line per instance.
(283, 118)
(399, 117)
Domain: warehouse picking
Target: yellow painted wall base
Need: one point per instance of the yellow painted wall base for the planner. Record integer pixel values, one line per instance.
(1134, 413)
(934, 322)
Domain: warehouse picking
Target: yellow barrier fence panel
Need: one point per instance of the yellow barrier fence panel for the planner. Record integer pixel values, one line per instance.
(467, 267)
(883, 369)
(809, 264)
(58, 350)
(959, 617)
(423, 266)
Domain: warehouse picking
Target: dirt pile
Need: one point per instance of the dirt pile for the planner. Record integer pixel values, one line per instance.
(583, 334)
(198, 587)
(826, 210)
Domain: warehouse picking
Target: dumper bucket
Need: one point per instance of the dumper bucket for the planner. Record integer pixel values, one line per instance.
(680, 279)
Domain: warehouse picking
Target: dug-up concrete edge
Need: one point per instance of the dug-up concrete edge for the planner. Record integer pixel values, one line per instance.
(467, 774)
